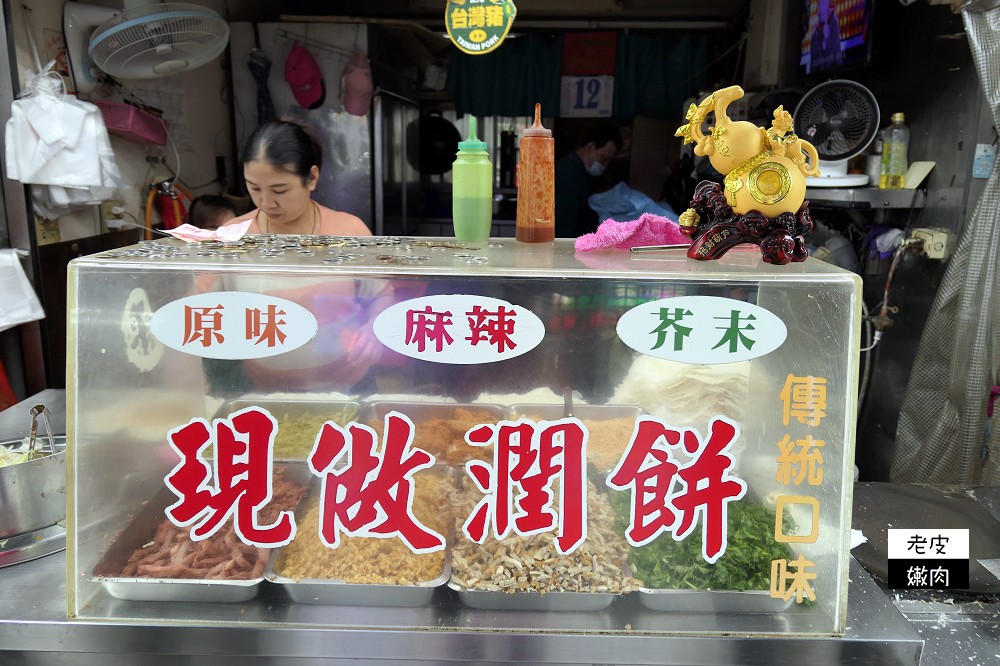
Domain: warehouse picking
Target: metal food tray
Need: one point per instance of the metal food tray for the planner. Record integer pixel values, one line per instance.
(332, 592)
(176, 589)
(336, 592)
(712, 601)
(533, 601)
(551, 412)
(598, 456)
(422, 411)
(139, 531)
(419, 412)
(307, 407)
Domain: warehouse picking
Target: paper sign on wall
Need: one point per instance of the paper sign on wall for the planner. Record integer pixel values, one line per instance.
(586, 96)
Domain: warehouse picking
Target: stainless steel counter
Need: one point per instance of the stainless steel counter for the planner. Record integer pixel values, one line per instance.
(34, 630)
(958, 626)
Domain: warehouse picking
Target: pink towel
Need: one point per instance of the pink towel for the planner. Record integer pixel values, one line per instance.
(647, 230)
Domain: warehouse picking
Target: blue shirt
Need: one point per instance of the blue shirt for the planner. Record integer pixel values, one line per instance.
(574, 216)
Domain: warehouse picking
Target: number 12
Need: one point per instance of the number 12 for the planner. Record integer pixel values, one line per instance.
(593, 89)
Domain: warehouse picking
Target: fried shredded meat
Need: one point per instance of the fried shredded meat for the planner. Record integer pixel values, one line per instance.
(172, 554)
(444, 438)
(367, 560)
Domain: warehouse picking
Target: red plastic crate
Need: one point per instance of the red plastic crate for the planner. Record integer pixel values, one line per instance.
(132, 123)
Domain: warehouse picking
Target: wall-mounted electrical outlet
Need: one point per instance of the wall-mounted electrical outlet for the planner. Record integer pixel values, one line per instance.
(154, 154)
(46, 231)
(938, 243)
(112, 214)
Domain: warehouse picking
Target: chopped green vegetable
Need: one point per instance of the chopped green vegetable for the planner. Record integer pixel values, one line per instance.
(746, 565)
(10, 456)
(298, 429)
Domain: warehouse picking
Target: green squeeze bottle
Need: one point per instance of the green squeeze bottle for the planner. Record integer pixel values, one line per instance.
(472, 189)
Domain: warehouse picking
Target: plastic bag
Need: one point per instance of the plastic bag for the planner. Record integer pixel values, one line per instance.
(18, 302)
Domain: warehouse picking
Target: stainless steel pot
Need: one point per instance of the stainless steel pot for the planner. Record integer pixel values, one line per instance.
(33, 493)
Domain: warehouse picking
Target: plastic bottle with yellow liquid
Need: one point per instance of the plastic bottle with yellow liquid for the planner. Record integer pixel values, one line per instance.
(895, 141)
(472, 189)
(536, 182)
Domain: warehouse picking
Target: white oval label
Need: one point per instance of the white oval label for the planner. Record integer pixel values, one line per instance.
(459, 328)
(701, 329)
(233, 325)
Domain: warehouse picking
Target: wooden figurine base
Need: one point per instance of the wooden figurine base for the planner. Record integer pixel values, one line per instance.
(716, 228)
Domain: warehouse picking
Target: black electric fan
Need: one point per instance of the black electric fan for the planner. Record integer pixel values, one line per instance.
(840, 118)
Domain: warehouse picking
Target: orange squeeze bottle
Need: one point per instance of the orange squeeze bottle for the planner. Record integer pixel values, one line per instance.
(536, 177)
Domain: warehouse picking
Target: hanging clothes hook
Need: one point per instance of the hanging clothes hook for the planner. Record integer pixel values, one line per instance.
(310, 43)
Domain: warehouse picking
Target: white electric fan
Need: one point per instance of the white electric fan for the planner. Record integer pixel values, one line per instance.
(840, 118)
(144, 40)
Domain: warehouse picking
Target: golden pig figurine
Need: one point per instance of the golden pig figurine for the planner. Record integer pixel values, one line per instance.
(765, 169)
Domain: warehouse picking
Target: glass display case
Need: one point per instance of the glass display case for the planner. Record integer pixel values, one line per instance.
(419, 433)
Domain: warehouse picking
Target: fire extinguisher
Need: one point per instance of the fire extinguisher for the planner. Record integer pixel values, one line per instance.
(166, 197)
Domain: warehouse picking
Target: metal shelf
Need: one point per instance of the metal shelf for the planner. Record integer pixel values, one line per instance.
(865, 197)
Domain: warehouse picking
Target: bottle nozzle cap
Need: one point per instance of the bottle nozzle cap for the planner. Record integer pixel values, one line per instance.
(898, 117)
(473, 142)
(536, 129)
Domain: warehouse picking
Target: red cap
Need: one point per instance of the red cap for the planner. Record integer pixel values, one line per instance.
(305, 78)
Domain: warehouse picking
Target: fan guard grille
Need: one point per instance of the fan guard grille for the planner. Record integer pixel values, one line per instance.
(158, 40)
(839, 117)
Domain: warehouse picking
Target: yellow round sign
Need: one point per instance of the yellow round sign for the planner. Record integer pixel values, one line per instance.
(478, 26)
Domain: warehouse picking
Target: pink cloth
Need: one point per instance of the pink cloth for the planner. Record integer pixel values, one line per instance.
(647, 230)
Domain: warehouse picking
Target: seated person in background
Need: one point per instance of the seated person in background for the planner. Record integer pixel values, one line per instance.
(210, 211)
(281, 163)
(574, 171)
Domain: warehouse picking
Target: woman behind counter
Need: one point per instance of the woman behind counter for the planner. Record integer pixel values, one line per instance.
(281, 164)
